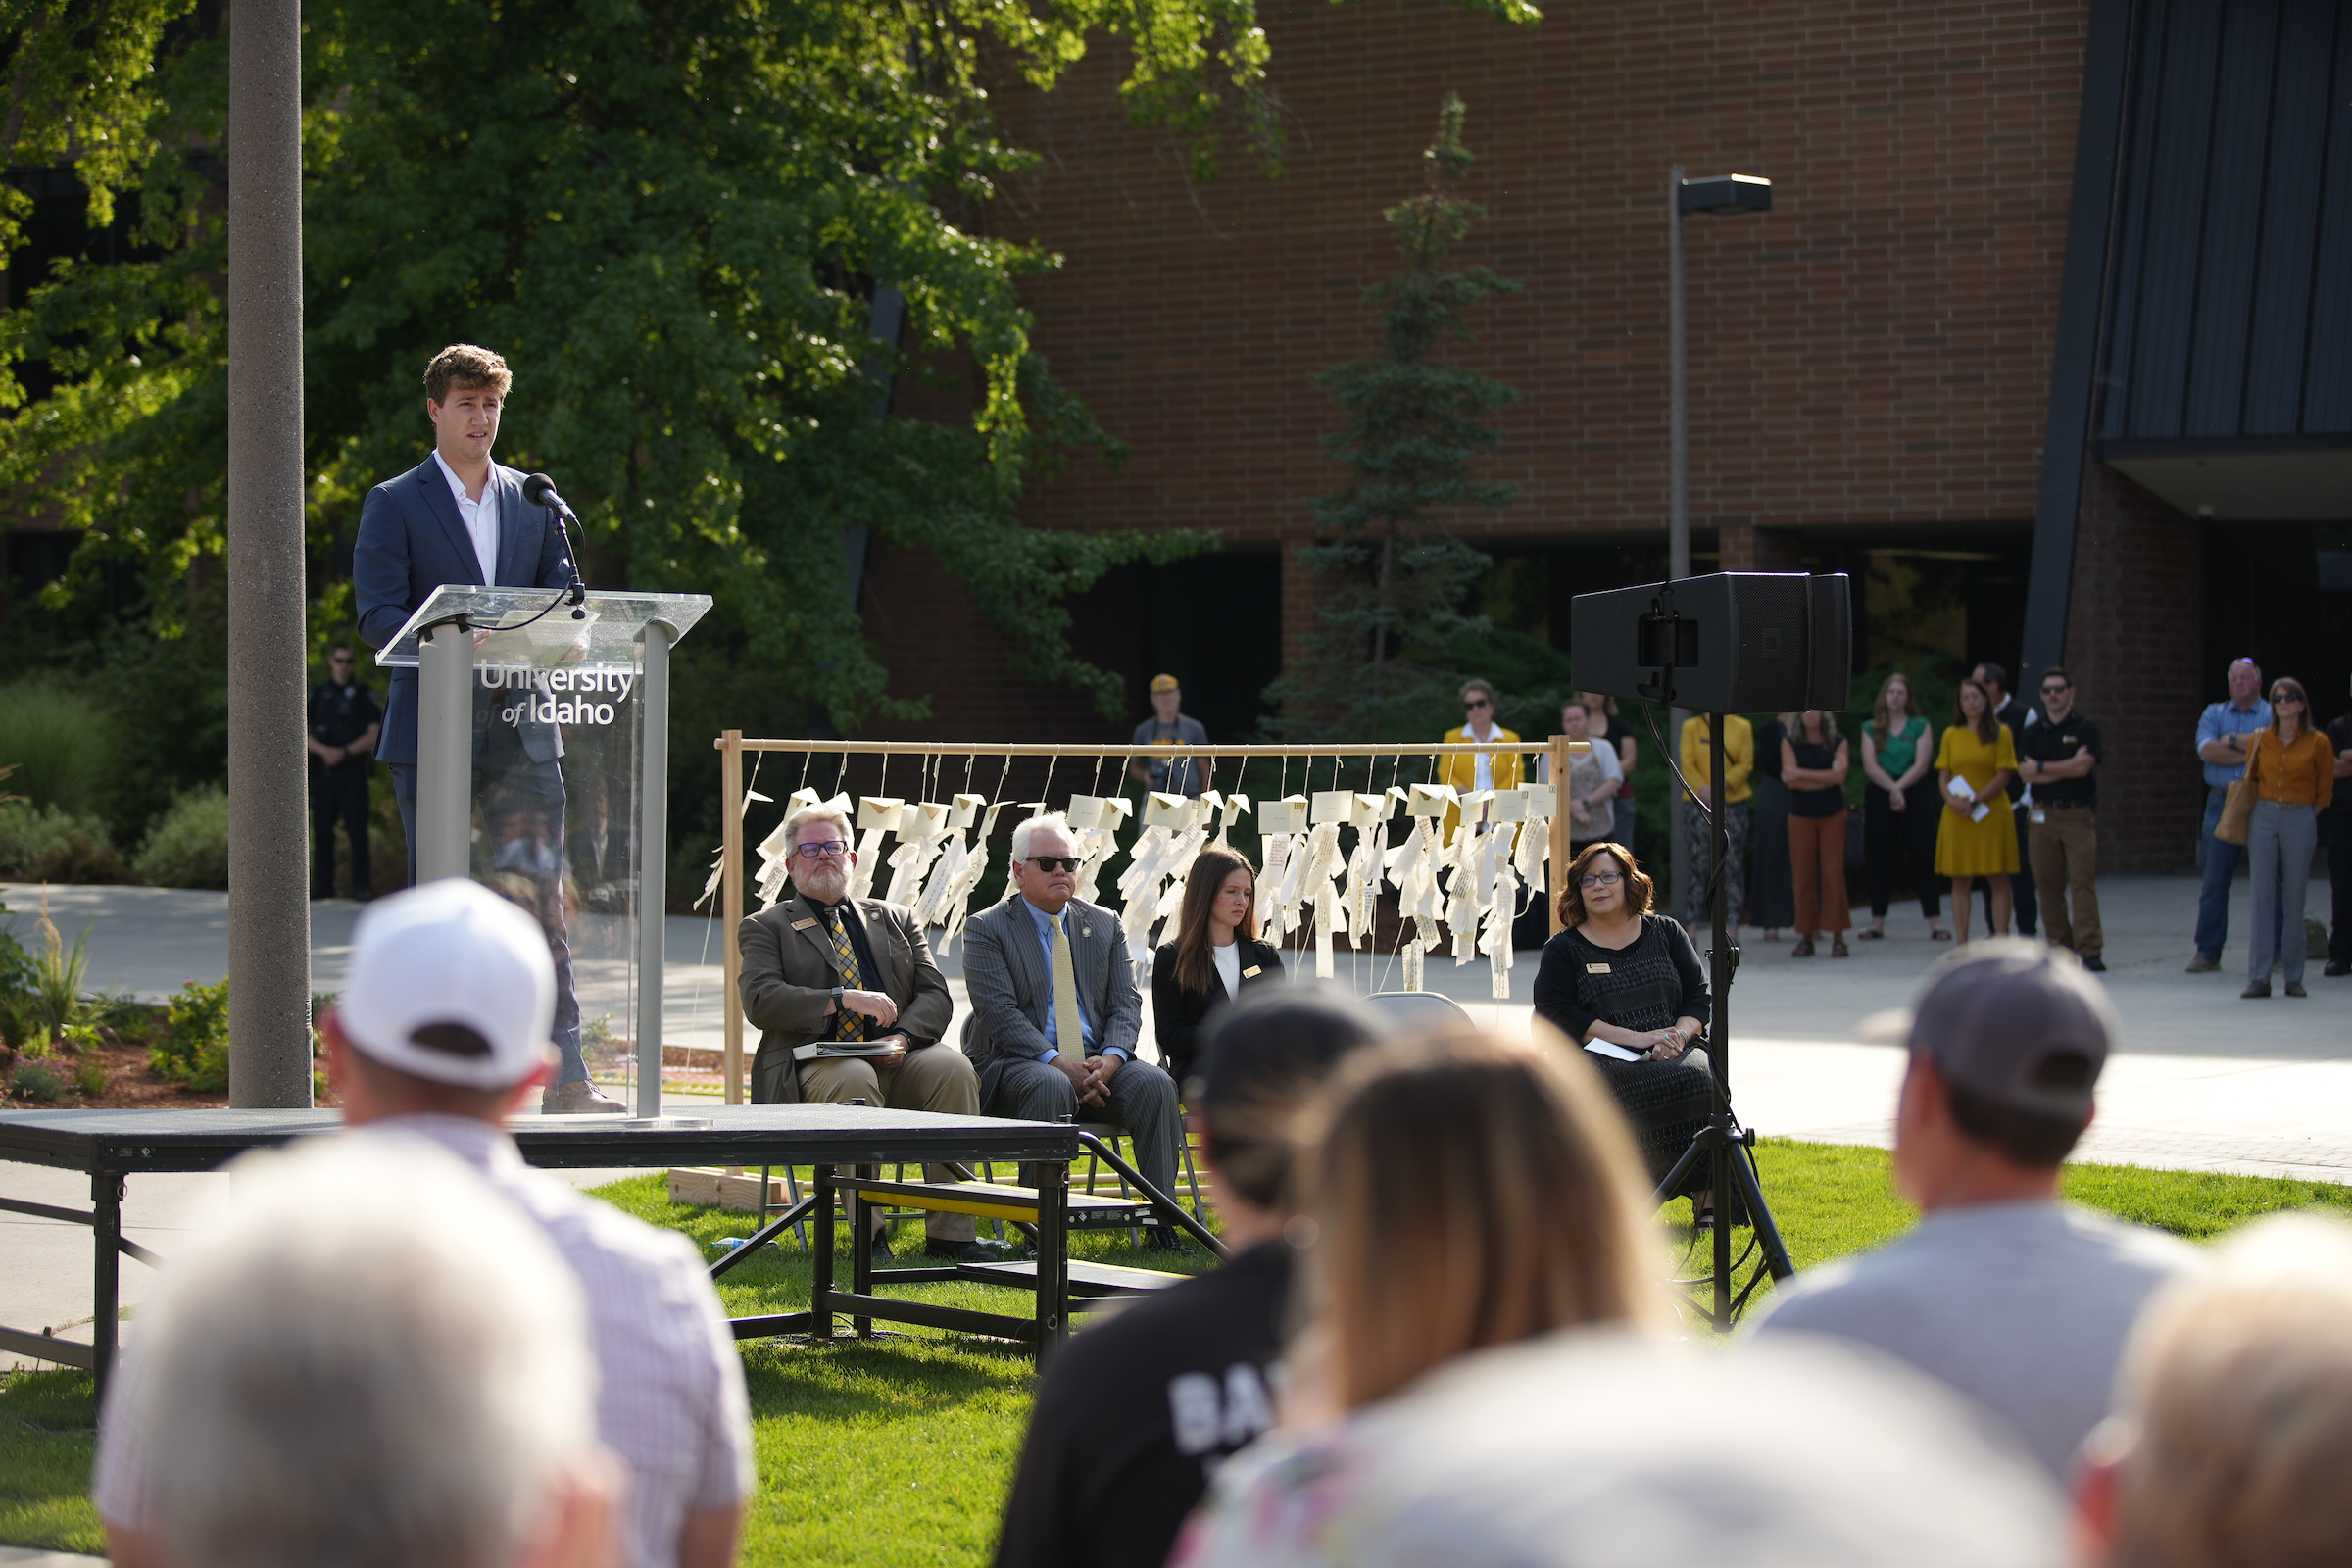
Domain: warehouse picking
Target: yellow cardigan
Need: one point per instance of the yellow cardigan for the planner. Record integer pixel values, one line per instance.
(1460, 768)
(1738, 755)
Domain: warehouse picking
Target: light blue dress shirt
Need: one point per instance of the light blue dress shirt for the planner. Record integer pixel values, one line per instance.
(2228, 718)
(1086, 1025)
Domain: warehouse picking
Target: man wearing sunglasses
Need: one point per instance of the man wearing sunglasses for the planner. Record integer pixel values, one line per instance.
(1056, 1014)
(850, 1006)
(345, 723)
(2056, 757)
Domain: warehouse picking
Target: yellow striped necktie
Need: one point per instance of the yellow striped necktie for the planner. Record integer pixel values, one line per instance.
(846, 1025)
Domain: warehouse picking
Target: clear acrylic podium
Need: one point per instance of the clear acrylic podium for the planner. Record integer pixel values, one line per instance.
(542, 771)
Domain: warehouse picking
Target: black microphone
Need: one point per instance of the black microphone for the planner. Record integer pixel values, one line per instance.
(540, 491)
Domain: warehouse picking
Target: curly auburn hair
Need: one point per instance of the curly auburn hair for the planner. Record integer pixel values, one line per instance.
(1638, 888)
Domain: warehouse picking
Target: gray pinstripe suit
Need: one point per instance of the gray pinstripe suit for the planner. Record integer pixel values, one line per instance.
(1012, 991)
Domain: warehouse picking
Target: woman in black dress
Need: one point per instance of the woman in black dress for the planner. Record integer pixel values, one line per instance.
(1216, 956)
(1619, 976)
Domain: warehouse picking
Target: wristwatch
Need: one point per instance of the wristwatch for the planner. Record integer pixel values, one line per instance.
(837, 990)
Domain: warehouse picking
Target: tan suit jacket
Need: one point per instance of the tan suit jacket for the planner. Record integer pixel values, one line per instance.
(789, 971)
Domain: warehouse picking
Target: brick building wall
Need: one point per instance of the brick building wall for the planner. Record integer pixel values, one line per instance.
(2132, 646)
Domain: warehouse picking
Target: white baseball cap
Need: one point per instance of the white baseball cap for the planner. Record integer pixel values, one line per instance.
(451, 983)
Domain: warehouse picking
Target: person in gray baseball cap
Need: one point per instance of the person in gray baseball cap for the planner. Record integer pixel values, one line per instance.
(2015, 1300)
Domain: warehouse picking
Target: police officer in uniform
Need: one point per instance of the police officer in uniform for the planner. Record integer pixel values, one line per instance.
(345, 721)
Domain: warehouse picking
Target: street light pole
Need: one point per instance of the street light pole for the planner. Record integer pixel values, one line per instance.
(269, 870)
(1678, 510)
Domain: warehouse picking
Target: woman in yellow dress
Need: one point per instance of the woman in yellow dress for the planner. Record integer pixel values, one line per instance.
(1972, 770)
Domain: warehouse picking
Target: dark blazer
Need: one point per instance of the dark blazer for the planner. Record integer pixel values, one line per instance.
(412, 541)
(1005, 974)
(1177, 1013)
(789, 971)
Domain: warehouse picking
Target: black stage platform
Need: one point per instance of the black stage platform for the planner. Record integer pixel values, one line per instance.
(112, 1144)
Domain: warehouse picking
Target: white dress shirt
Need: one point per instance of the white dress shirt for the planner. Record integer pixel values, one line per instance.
(479, 517)
(1483, 777)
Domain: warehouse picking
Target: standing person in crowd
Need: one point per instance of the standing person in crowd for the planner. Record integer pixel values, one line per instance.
(825, 975)
(2339, 853)
(2017, 717)
(1973, 839)
(345, 721)
(2056, 757)
(2016, 1301)
(441, 1032)
(1137, 1413)
(1215, 957)
(2221, 732)
(372, 1360)
(1055, 1012)
(1771, 878)
(1481, 771)
(1604, 726)
(2292, 768)
(1420, 1135)
(1590, 796)
(2233, 1413)
(1813, 762)
(1739, 761)
(1627, 985)
(1168, 728)
(1899, 809)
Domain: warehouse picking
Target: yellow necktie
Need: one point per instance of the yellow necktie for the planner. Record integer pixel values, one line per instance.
(1068, 1033)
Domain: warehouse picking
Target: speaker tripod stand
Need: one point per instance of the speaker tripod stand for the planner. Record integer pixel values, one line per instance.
(1723, 1142)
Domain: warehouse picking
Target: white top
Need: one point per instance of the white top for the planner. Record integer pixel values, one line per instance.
(671, 1401)
(1229, 965)
(2023, 1307)
(1483, 778)
(479, 517)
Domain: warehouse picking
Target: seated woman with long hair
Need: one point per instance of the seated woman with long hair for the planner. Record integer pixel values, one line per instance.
(1466, 1193)
(1216, 955)
(1629, 980)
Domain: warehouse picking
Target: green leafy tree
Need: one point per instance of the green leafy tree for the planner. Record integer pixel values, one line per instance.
(1392, 580)
(672, 216)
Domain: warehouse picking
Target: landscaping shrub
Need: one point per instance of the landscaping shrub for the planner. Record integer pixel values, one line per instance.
(194, 1048)
(90, 1079)
(50, 844)
(189, 847)
(64, 747)
(37, 1082)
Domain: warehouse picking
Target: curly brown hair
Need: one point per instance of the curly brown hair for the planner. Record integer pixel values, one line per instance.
(463, 365)
(1638, 888)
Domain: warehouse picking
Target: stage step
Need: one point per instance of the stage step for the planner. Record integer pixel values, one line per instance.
(1086, 1279)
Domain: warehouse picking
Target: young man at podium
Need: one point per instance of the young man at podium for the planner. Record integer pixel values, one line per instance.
(460, 518)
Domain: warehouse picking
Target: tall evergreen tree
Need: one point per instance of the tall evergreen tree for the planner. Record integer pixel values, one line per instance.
(1391, 578)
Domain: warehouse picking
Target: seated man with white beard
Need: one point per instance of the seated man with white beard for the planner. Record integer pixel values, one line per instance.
(825, 975)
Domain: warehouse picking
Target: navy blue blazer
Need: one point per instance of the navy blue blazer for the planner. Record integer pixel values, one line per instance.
(412, 541)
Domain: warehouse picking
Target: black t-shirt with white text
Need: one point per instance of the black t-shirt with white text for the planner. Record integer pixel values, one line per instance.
(1136, 1413)
(2050, 742)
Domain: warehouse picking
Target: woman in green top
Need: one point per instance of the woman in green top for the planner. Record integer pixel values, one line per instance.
(1900, 806)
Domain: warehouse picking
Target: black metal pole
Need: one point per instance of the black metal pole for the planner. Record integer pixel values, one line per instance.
(1720, 966)
(106, 1286)
(820, 1287)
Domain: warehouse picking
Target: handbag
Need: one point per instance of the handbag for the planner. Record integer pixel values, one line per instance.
(2237, 807)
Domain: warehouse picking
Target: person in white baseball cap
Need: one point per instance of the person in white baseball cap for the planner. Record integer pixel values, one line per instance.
(442, 1032)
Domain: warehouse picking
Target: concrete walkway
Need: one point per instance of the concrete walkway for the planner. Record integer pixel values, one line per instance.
(2204, 1081)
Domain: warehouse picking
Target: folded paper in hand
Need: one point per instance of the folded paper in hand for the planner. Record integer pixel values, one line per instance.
(1961, 788)
(1612, 1050)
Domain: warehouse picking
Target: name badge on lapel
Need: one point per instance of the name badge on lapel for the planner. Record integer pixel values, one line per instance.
(1596, 968)
(804, 925)
(1251, 973)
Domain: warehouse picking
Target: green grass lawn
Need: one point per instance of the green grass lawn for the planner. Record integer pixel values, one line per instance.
(898, 1450)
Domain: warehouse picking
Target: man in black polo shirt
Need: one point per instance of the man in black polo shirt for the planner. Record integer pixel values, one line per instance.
(345, 721)
(2339, 852)
(2057, 756)
(1136, 1412)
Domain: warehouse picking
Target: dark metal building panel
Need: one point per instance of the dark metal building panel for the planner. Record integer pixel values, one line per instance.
(2228, 311)
(2279, 342)
(2327, 376)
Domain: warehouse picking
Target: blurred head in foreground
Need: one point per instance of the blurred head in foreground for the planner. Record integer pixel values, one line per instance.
(1469, 1190)
(1263, 1060)
(376, 1363)
(2233, 1413)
